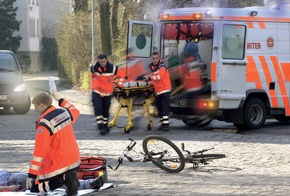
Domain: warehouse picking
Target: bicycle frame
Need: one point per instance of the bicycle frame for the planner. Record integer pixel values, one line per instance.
(164, 154)
(145, 158)
(199, 157)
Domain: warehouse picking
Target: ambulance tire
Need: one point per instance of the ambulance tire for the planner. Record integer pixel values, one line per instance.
(254, 114)
(202, 122)
(190, 123)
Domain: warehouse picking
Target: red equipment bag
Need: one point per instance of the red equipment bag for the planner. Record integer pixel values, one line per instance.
(92, 167)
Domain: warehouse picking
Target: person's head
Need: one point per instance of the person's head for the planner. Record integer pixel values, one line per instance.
(102, 59)
(155, 57)
(41, 101)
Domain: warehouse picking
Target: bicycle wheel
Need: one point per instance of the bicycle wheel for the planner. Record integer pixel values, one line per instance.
(163, 153)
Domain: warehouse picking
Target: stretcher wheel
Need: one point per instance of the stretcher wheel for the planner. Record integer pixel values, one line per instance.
(127, 129)
(149, 127)
(110, 125)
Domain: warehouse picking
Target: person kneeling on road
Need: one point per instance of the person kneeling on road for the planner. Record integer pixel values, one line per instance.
(56, 155)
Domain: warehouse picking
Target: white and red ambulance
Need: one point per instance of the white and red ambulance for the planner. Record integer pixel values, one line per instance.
(225, 63)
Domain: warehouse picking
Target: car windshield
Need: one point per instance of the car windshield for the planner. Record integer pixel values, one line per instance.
(7, 63)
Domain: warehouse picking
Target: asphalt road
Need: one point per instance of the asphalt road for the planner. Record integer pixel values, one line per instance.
(257, 161)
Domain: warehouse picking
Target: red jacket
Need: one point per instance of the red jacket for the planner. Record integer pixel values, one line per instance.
(103, 78)
(160, 78)
(56, 150)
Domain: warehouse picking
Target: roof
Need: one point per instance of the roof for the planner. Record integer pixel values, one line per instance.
(235, 14)
(6, 51)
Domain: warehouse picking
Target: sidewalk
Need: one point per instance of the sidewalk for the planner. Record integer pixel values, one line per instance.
(79, 96)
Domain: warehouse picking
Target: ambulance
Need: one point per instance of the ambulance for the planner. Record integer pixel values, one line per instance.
(228, 64)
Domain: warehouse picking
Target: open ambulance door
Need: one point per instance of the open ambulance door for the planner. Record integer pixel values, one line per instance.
(231, 63)
(139, 47)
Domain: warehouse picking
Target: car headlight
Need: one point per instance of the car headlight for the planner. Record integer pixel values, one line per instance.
(19, 88)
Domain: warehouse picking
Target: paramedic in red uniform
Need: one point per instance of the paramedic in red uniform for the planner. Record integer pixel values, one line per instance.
(56, 155)
(162, 88)
(103, 74)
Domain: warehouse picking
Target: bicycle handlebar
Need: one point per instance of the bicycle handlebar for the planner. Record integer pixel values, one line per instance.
(197, 152)
(124, 154)
(131, 145)
(202, 151)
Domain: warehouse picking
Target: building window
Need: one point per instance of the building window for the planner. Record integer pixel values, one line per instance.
(37, 2)
(37, 29)
(32, 27)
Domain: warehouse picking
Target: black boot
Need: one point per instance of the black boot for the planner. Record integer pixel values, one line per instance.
(100, 127)
(105, 130)
(160, 128)
(165, 127)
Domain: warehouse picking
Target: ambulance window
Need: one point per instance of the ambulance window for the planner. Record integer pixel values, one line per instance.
(233, 42)
(141, 40)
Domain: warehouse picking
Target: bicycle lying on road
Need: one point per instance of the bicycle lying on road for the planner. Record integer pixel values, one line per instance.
(166, 155)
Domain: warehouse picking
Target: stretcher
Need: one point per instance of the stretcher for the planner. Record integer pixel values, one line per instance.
(128, 97)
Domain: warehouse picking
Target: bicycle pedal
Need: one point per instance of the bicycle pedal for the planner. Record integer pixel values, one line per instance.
(195, 166)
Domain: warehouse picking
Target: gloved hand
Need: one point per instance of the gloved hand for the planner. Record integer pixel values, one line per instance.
(55, 95)
(29, 182)
(120, 85)
(141, 77)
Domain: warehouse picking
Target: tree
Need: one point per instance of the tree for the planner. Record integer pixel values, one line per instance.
(115, 9)
(8, 26)
(74, 45)
(49, 53)
(238, 3)
(81, 5)
(105, 22)
(226, 3)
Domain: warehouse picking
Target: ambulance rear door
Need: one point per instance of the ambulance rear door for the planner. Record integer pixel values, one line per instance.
(139, 44)
(231, 63)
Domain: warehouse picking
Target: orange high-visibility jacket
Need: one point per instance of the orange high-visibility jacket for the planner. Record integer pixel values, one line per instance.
(160, 78)
(56, 150)
(103, 78)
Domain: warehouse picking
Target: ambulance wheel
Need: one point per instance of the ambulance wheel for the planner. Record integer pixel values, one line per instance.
(190, 123)
(200, 122)
(254, 114)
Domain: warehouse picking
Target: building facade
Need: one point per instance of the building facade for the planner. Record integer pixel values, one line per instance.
(30, 30)
(38, 19)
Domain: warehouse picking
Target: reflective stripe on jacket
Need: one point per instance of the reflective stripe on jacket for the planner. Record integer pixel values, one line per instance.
(56, 150)
(160, 78)
(103, 78)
